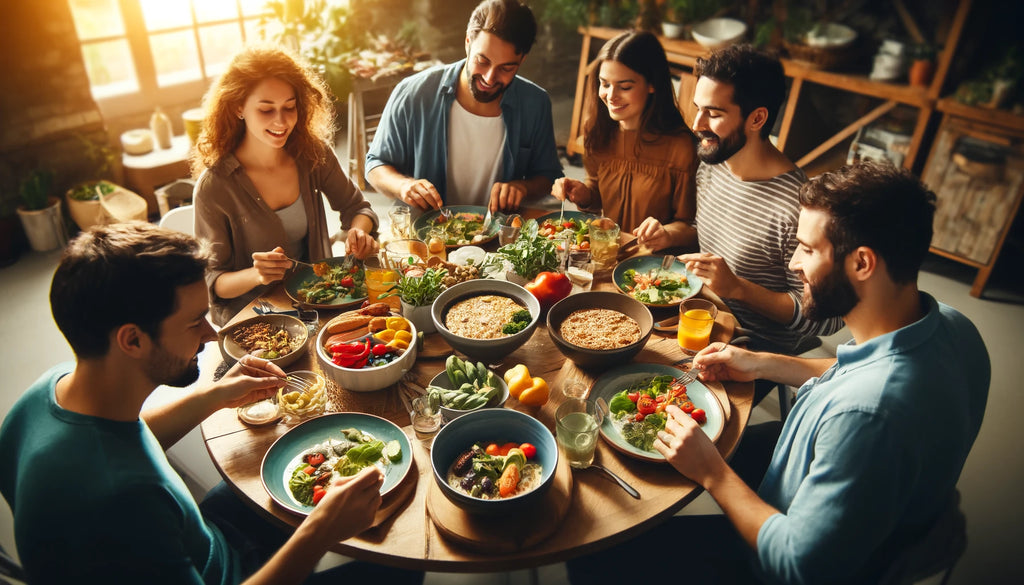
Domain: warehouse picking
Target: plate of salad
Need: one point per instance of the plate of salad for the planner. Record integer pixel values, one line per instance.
(332, 283)
(334, 446)
(642, 278)
(554, 225)
(636, 394)
(465, 228)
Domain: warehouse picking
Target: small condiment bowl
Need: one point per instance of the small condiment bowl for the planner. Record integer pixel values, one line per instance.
(303, 396)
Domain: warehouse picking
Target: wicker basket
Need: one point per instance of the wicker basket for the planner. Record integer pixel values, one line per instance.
(824, 58)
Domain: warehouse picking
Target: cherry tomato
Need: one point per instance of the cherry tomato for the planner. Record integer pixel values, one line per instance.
(318, 494)
(659, 398)
(638, 417)
(492, 449)
(379, 349)
(506, 448)
(645, 404)
(529, 450)
(347, 281)
(310, 470)
(677, 391)
(633, 396)
(585, 245)
(568, 225)
(315, 459)
(699, 415)
(687, 407)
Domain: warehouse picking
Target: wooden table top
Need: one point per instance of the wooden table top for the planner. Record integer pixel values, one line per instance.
(599, 514)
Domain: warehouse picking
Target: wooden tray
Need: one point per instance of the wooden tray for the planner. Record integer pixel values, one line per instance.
(491, 534)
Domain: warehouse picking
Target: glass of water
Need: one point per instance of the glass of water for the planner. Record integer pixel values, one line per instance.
(426, 419)
(576, 425)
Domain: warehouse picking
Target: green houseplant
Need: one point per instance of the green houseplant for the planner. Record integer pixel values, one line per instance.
(417, 290)
(40, 211)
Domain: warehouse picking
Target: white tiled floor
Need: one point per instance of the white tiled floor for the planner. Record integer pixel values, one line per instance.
(990, 482)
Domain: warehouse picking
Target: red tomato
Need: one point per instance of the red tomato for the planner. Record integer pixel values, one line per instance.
(379, 349)
(315, 459)
(318, 494)
(687, 407)
(646, 405)
(529, 450)
(633, 396)
(506, 448)
(638, 417)
(699, 415)
(347, 281)
(659, 398)
(492, 449)
(585, 245)
(568, 225)
(310, 470)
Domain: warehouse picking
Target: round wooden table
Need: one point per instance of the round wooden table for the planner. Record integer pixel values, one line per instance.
(599, 512)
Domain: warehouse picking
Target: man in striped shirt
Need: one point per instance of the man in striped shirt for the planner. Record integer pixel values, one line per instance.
(747, 207)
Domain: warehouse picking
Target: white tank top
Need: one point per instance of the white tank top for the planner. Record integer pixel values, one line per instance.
(475, 146)
(293, 218)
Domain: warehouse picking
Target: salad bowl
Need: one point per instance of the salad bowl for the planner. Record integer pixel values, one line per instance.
(668, 288)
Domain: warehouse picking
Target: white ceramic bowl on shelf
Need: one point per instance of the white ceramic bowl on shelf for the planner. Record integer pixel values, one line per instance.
(716, 33)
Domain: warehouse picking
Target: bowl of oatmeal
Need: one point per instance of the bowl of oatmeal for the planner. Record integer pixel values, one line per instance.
(597, 329)
(486, 319)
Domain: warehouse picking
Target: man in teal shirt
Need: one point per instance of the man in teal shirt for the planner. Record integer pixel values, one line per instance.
(93, 497)
(869, 457)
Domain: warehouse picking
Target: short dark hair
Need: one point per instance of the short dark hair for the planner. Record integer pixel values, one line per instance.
(122, 273)
(877, 205)
(643, 53)
(757, 78)
(509, 20)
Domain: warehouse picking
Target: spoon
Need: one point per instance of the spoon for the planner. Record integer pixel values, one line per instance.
(622, 483)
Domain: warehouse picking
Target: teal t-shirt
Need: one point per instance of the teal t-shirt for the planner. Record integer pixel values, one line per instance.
(95, 500)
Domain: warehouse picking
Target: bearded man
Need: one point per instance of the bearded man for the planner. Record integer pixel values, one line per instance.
(472, 132)
(747, 205)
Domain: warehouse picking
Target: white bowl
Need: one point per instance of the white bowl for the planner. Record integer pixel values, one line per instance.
(296, 329)
(366, 379)
(830, 35)
(718, 32)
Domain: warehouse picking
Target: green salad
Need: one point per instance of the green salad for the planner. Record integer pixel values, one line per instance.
(664, 287)
(335, 458)
(638, 412)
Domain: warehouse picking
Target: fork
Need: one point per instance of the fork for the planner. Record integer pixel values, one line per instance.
(446, 214)
(265, 306)
(666, 263)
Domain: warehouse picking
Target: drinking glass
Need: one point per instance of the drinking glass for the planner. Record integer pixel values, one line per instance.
(580, 270)
(312, 320)
(379, 279)
(604, 243)
(426, 419)
(574, 388)
(507, 234)
(696, 319)
(400, 254)
(436, 244)
(576, 424)
(401, 221)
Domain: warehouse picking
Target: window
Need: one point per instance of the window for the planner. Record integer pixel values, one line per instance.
(141, 53)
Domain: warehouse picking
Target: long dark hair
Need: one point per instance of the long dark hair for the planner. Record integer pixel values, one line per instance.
(641, 52)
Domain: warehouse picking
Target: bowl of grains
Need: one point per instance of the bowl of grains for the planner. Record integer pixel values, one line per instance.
(597, 329)
(280, 339)
(486, 319)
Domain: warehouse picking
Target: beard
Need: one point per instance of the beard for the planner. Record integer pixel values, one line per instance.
(832, 296)
(168, 369)
(722, 149)
(482, 96)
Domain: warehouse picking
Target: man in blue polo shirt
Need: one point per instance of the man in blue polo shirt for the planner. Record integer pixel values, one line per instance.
(472, 132)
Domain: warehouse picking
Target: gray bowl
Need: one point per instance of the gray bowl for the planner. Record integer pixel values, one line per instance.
(599, 358)
(449, 414)
(489, 351)
(486, 426)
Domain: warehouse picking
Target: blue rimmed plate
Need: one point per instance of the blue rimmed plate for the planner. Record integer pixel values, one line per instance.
(614, 381)
(421, 226)
(644, 264)
(286, 453)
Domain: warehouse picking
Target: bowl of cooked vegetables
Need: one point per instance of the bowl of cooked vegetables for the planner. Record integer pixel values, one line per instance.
(332, 283)
(465, 386)
(599, 329)
(486, 319)
(369, 354)
(280, 339)
(494, 461)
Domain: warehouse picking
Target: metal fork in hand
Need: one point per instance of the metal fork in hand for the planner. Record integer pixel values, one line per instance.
(446, 214)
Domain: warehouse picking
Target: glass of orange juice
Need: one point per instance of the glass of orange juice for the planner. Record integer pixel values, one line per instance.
(696, 318)
(379, 279)
(437, 243)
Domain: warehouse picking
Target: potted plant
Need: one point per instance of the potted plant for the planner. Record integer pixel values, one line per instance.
(83, 198)
(673, 20)
(40, 212)
(417, 290)
(922, 64)
(1005, 75)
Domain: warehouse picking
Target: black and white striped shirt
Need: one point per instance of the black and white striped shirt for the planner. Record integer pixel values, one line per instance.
(752, 225)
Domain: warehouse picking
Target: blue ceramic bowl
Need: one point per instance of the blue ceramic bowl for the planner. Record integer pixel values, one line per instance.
(493, 425)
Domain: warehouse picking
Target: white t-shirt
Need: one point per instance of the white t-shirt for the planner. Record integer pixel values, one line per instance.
(475, 146)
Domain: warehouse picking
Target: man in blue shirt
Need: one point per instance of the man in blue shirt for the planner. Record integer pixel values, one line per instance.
(471, 132)
(869, 457)
(84, 471)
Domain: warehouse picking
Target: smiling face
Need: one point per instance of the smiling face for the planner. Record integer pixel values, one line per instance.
(174, 360)
(491, 66)
(828, 291)
(624, 92)
(718, 123)
(270, 112)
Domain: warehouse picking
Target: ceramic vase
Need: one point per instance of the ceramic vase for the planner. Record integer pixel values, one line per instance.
(420, 317)
(44, 227)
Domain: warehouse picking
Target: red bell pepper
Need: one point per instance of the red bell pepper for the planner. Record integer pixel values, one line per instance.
(549, 288)
(353, 360)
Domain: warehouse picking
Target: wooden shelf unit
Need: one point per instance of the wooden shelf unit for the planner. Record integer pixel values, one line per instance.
(684, 54)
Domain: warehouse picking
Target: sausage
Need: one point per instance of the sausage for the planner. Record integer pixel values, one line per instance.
(347, 322)
(375, 310)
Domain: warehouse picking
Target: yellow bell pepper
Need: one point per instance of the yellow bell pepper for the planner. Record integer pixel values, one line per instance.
(518, 379)
(385, 335)
(398, 324)
(398, 344)
(537, 394)
(403, 335)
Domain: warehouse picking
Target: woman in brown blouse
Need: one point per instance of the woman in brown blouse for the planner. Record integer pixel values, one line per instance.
(266, 150)
(639, 155)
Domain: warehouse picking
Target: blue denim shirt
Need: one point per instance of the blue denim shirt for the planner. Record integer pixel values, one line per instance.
(873, 449)
(413, 132)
